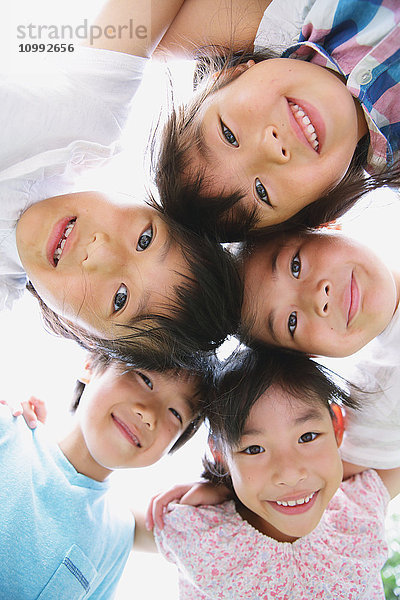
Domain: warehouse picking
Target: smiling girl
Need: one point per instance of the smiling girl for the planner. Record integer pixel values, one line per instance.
(271, 137)
(294, 530)
(318, 292)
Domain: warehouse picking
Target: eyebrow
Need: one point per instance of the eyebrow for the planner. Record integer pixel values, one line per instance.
(144, 300)
(311, 414)
(193, 407)
(199, 138)
(274, 276)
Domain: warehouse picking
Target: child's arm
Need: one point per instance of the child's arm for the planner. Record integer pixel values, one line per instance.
(133, 26)
(390, 477)
(349, 469)
(229, 23)
(194, 494)
(144, 539)
(391, 480)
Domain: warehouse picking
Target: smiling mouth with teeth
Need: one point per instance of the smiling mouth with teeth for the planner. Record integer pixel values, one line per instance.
(62, 240)
(296, 502)
(305, 123)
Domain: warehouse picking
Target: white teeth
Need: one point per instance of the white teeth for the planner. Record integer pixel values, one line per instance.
(61, 243)
(306, 125)
(296, 502)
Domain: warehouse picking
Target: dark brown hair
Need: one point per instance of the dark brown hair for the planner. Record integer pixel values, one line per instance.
(247, 375)
(202, 386)
(223, 215)
(205, 309)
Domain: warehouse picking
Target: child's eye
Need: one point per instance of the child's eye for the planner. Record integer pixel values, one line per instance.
(295, 266)
(120, 298)
(253, 450)
(146, 379)
(228, 135)
(145, 239)
(310, 436)
(292, 323)
(261, 192)
(176, 414)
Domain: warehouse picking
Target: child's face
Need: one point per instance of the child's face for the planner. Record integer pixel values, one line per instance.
(118, 260)
(132, 419)
(318, 293)
(253, 138)
(287, 454)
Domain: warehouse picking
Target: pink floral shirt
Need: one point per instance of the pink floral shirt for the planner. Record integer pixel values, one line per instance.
(221, 556)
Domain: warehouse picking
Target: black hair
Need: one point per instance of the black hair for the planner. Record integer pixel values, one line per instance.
(202, 386)
(247, 375)
(223, 215)
(206, 308)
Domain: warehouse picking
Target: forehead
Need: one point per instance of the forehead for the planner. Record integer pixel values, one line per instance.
(277, 404)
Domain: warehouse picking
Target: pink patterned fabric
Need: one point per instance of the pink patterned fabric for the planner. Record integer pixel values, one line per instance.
(220, 556)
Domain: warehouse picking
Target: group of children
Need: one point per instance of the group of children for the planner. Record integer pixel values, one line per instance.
(270, 145)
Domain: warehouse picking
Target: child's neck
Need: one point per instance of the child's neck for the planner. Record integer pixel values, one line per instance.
(74, 448)
(263, 526)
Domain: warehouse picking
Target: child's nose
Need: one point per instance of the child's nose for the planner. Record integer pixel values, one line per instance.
(101, 255)
(289, 471)
(148, 416)
(318, 298)
(273, 147)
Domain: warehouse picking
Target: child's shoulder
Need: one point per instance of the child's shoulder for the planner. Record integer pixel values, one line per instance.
(182, 517)
(360, 499)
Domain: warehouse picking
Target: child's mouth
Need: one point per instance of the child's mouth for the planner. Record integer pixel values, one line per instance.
(126, 432)
(293, 507)
(354, 300)
(62, 240)
(305, 124)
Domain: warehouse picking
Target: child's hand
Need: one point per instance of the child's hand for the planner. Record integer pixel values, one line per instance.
(193, 494)
(16, 409)
(33, 410)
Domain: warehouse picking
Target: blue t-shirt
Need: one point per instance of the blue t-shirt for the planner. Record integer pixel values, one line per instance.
(61, 536)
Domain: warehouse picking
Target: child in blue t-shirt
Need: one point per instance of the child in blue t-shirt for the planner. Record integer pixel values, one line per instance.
(61, 535)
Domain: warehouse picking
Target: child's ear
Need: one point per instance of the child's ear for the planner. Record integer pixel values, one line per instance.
(233, 72)
(86, 372)
(338, 422)
(215, 451)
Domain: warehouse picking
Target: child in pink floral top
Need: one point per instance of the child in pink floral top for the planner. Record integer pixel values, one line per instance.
(294, 531)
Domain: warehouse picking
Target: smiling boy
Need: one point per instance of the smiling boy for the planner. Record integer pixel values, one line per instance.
(111, 257)
(61, 534)
(99, 262)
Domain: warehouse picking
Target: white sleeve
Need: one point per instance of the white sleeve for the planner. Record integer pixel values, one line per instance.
(84, 96)
(281, 24)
